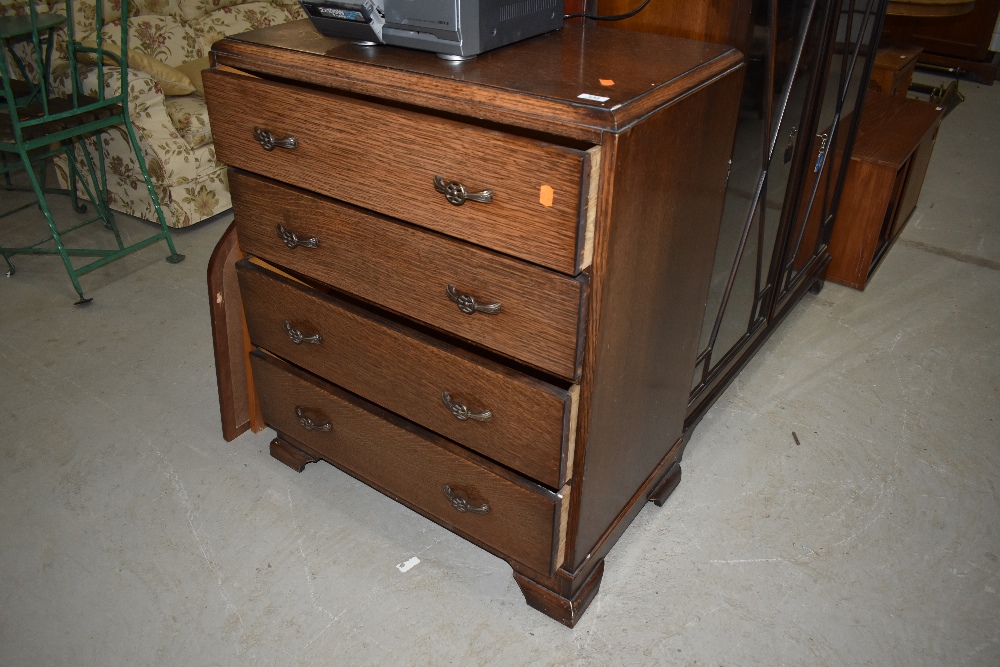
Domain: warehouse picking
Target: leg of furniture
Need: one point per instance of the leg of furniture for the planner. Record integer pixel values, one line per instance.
(566, 603)
(291, 456)
(667, 486)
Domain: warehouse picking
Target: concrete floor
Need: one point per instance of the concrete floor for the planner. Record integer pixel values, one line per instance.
(132, 534)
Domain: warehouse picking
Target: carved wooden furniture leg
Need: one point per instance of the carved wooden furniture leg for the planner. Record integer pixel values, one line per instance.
(293, 457)
(566, 610)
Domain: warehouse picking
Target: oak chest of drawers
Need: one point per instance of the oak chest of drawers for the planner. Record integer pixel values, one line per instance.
(475, 286)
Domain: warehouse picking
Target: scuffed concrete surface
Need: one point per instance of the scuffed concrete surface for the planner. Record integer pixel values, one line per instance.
(132, 534)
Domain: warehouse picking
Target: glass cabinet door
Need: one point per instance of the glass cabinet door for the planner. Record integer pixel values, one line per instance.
(807, 69)
(854, 41)
(784, 53)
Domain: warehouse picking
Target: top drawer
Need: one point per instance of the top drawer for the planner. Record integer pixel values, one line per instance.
(391, 160)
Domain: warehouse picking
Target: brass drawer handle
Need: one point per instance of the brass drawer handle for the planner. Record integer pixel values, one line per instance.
(292, 240)
(298, 337)
(468, 305)
(309, 424)
(462, 412)
(457, 194)
(268, 142)
(463, 505)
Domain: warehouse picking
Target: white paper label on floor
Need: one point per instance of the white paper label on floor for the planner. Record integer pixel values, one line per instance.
(593, 98)
(404, 567)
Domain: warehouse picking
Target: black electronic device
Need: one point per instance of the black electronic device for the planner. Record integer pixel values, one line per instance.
(454, 29)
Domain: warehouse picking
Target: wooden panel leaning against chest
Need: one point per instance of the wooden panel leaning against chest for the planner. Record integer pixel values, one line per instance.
(477, 286)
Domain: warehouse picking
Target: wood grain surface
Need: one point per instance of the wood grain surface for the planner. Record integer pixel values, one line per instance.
(863, 208)
(656, 239)
(407, 269)
(406, 372)
(392, 170)
(966, 36)
(929, 8)
(228, 336)
(891, 127)
(720, 21)
(884, 179)
(409, 464)
(638, 127)
(495, 86)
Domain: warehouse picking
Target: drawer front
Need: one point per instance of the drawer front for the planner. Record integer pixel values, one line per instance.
(509, 417)
(410, 271)
(411, 465)
(386, 159)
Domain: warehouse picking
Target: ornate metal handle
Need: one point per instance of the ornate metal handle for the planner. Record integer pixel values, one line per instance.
(462, 505)
(457, 194)
(462, 412)
(292, 240)
(468, 305)
(309, 424)
(268, 142)
(298, 337)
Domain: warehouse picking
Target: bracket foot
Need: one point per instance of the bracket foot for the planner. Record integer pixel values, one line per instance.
(551, 603)
(293, 457)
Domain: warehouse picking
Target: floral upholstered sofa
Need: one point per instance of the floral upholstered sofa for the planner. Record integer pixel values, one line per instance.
(169, 42)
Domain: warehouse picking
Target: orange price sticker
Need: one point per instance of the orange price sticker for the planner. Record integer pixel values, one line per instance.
(545, 195)
(607, 82)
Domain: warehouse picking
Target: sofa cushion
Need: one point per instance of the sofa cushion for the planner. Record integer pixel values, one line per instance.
(192, 70)
(195, 9)
(163, 37)
(170, 80)
(236, 19)
(154, 7)
(85, 11)
(190, 118)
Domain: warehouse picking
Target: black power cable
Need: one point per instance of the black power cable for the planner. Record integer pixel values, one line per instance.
(613, 17)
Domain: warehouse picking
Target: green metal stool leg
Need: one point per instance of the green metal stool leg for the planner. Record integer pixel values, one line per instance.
(102, 187)
(74, 197)
(174, 257)
(43, 204)
(98, 195)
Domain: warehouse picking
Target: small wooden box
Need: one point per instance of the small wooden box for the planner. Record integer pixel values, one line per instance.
(893, 68)
(887, 170)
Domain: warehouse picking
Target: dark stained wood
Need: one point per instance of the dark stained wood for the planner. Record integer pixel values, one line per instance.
(929, 8)
(409, 464)
(566, 582)
(917, 171)
(650, 285)
(721, 21)
(893, 69)
(567, 611)
(666, 487)
(891, 128)
(935, 9)
(891, 154)
(393, 173)
(407, 270)
(865, 204)
(493, 85)
(227, 336)
(291, 456)
(608, 443)
(956, 41)
(407, 372)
